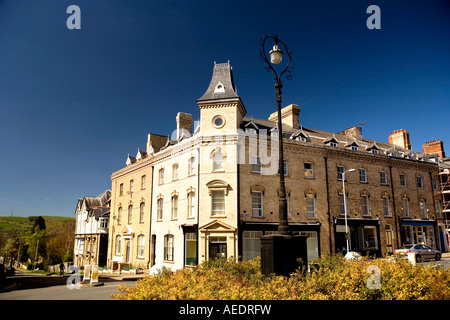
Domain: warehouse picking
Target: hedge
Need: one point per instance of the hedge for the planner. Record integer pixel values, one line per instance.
(333, 278)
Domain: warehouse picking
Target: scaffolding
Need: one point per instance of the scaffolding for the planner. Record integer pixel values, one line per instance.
(444, 182)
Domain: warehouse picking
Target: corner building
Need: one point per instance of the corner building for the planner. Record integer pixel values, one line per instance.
(211, 189)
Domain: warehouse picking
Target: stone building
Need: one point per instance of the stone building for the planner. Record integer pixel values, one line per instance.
(210, 189)
(91, 230)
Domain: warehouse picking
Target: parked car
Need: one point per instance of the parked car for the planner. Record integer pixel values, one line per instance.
(422, 252)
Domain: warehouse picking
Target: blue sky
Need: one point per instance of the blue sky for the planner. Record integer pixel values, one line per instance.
(75, 103)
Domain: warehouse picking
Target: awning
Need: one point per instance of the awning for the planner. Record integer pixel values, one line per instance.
(417, 222)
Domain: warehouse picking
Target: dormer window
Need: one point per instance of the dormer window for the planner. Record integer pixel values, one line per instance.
(332, 142)
(219, 88)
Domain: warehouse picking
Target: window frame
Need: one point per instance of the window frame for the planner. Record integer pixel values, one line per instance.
(259, 207)
(141, 212)
(140, 246)
(169, 247)
(308, 172)
(383, 178)
(309, 214)
(365, 205)
(160, 209)
(362, 170)
(130, 214)
(214, 202)
(255, 164)
(174, 207)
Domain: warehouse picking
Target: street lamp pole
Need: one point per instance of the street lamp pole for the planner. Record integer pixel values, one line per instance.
(276, 58)
(345, 209)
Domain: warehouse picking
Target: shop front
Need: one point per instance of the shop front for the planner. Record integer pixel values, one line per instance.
(364, 236)
(418, 231)
(251, 232)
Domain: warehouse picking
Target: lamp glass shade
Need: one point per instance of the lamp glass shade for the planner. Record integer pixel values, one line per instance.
(276, 55)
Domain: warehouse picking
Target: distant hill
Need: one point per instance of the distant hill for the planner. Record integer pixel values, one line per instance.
(22, 225)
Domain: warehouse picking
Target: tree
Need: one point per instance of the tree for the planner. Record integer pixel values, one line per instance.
(60, 242)
(37, 221)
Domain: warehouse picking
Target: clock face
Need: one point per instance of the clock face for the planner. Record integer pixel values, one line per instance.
(218, 121)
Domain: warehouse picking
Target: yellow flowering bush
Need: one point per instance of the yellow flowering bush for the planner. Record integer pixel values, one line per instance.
(333, 277)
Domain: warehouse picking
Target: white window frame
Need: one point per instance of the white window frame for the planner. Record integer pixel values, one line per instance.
(386, 207)
(191, 204)
(169, 248)
(161, 176)
(160, 208)
(423, 208)
(311, 205)
(191, 166)
(405, 204)
(255, 163)
(365, 207)
(174, 209)
(383, 178)
(257, 208)
(130, 214)
(214, 202)
(141, 212)
(402, 180)
(175, 171)
(362, 174)
(340, 175)
(140, 246)
(419, 182)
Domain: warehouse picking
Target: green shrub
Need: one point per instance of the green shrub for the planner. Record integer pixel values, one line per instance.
(333, 278)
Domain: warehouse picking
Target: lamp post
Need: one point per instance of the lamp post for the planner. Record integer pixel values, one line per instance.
(276, 57)
(345, 208)
(281, 253)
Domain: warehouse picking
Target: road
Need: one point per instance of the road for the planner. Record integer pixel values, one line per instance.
(41, 287)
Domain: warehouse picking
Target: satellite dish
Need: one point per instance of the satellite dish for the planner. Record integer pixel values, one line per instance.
(361, 123)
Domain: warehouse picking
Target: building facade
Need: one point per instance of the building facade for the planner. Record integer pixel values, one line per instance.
(91, 230)
(211, 189)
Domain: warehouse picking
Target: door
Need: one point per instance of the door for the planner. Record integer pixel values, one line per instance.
(217, 250)
(128, 252)
(389, 240)
(153, 251)
(217, 247)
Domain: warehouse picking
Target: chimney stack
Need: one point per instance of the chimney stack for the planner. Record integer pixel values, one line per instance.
(400, 138)
(436, 146)
(184, 124)
(289, 116)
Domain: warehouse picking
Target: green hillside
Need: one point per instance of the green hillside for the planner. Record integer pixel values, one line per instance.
(22, 225)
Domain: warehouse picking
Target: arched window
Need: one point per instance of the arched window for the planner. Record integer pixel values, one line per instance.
(141, 212)
(119, 215)
(130, 213)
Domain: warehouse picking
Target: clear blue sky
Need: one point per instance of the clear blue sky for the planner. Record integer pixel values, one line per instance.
(74, 103)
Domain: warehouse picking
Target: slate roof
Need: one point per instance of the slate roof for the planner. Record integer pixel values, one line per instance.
(221, 85)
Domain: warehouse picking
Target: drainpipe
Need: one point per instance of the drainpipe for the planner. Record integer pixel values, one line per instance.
(328, 203)
(150, 222)
(397, 233)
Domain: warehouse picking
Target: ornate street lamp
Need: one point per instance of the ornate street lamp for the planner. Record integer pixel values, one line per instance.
(347, 236)
(281, 253)
(276, 57)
